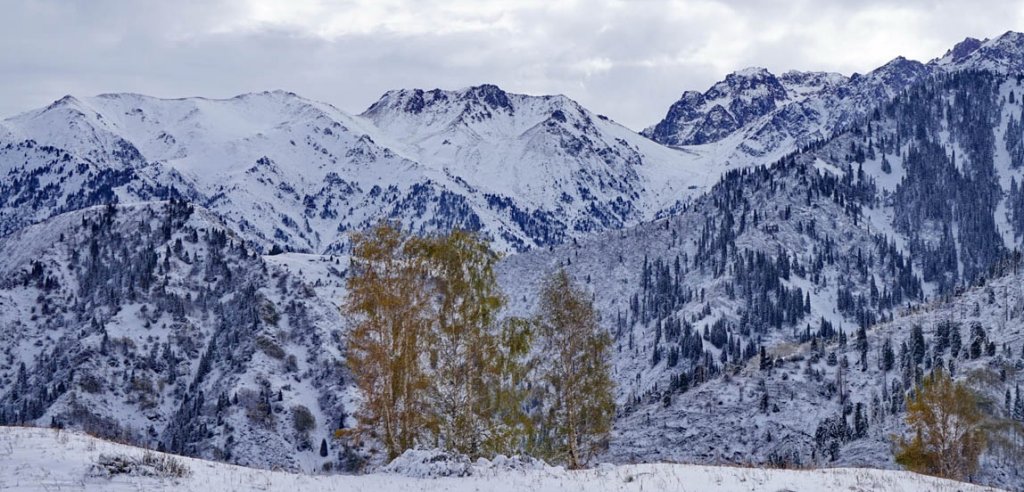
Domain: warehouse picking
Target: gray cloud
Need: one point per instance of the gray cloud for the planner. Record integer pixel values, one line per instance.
(626, 59)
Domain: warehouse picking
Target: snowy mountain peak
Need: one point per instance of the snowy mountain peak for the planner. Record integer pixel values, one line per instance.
(118, 111)
(750, 73)
(893, 76)
(1010, 38)
(68, 106)
(1004, 53)
(768, 114)
(206, 150)
(799, 81)
(279, 93)
(69, 123)
(747, 79)
(898, 64)
(740, 98)
(491, 95)
(962, 49)
(411, 101)
(479, 112)
(67, 100)
(416, 101)
(536, 155)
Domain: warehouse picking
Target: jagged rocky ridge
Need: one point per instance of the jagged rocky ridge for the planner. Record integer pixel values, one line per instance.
(753, 114)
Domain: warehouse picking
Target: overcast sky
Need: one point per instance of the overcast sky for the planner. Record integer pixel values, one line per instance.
(627, 59)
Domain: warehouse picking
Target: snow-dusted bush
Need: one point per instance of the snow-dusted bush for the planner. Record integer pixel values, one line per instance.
(303, 419)
(149, 465)
(430, 463)
(506, 463)
(433, 463)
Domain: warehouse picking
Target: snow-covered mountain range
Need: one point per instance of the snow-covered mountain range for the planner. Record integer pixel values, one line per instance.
(736, 254)
(528, 171)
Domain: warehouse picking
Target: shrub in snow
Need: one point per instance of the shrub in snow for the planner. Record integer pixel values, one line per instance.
(430, 463)
(506, 463)
(302, 419)
(433, 463)
(149, 465)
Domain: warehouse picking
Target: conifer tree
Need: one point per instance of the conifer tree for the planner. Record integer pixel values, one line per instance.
(954, 340)
(888, 358)
(862, 347)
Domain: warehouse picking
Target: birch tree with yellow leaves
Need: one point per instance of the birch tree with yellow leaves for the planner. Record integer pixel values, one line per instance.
(575, 384)
(948, 429)
(434, 363)
(389, 311)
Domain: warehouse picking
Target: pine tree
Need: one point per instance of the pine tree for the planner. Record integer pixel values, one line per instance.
(1008, 404)
(323, 448)
(1018, 405)
(917, 344)
(862, 347)
(860, 421)
(577, 386)
(888, 357)
(942, 332)
(954, 340)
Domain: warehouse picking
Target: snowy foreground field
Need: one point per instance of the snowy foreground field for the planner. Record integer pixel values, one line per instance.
(43, 459)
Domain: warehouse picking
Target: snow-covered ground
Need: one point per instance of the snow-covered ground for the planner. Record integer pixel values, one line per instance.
(44, 459)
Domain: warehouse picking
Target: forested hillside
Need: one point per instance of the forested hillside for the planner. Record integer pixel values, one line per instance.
(773, 306)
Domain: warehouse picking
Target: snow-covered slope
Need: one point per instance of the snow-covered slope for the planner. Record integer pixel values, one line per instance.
(803, 398)
(155, 324)
(547, 152)
(1000, 54)
(281, 169)
(527, 170)
(44, 459)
